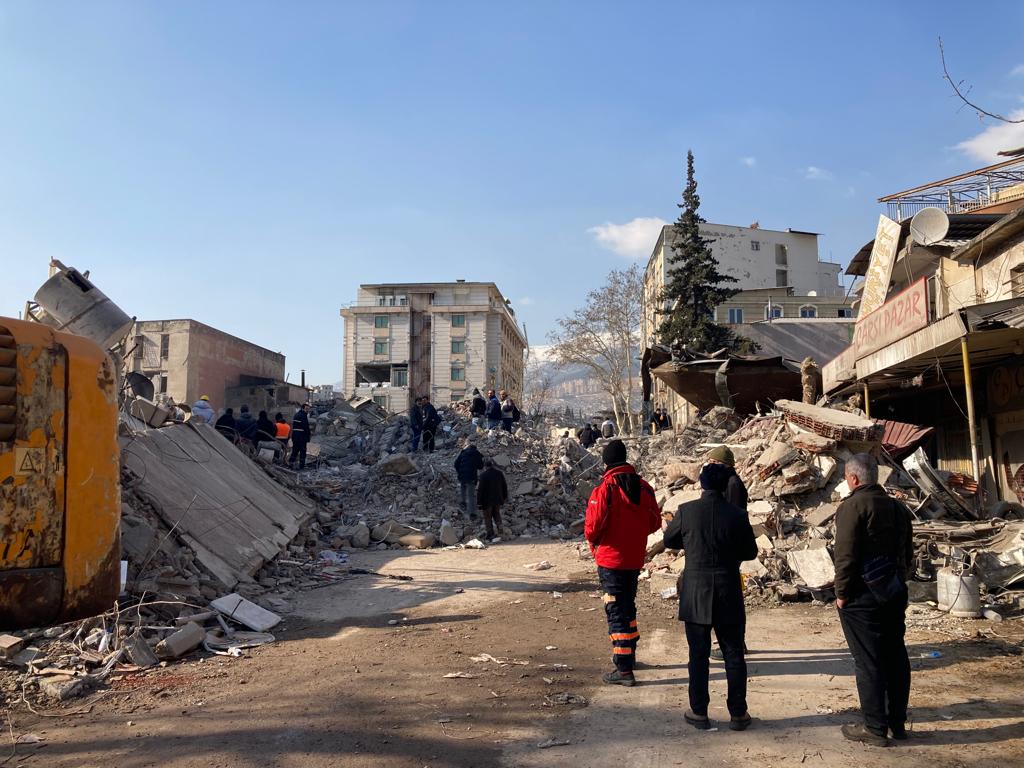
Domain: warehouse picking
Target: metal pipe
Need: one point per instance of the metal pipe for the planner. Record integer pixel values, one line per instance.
(972, 428)
(867, 401)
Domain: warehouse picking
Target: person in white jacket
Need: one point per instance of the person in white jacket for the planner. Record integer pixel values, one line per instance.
(202, 411)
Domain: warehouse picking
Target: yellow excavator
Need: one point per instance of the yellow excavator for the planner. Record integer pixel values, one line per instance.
(60, 494)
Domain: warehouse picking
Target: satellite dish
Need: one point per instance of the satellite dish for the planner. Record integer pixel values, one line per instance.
(140, 385)
(929, 226)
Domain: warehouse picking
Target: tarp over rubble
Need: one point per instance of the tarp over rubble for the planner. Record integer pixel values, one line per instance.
(214, 498)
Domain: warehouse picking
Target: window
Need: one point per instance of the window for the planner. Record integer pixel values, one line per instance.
(380, 321)
(755, 245)
(163, 385)
(380, 348)
(775, 311)
(458, 321)
(458, 347)
(781, 278)
(140, 346)
(845, 312)
(458, 374)
(457, 397)
(735, 315)
(165, 346)
(400, 377)
(781, 255)
(808, 310)
(381, 400)
(1017, 281)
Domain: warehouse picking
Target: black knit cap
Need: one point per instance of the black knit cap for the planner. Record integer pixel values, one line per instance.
(614, 453)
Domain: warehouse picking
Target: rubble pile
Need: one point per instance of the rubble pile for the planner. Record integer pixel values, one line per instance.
(792, 464)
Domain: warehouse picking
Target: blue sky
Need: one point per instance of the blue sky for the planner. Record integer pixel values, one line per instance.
(249, 164)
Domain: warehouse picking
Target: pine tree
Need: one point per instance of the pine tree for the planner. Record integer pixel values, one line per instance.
(695, 286)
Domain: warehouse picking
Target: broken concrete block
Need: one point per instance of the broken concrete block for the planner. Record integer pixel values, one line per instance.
(765, 544)
(359, 536)
(775, 458)
(821, 515)
(837, 425)
(787, 593)
(390, 531)
(246, 612)
(397, 464)
(139, 653)
(418, 540)
(826, 466)
(814, 566)
(796, 472)
(502, 461)
(813, 442)
(181, 642)
(655, 543)
(678, 499)
(10, 645)
(676, 470)
(577, 526)
(447, 535)
(137, 537)
(61, 687)
(753, 568)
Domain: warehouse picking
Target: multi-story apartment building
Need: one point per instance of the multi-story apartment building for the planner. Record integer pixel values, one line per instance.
(186, 359)
(437, 339)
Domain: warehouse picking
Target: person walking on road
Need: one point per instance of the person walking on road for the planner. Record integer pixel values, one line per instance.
(300, 436)
(716, 537)
(467, 464)
(873, 552)
(416, 424)
(621, 513)
(202, 411)
(493, 410)
(431, 421)
(491, 493)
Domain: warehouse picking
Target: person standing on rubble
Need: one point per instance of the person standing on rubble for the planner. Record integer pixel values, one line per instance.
(621, 513)
(416, 424)
(491, 493)
(226, 424)
(300, 437)
(467, 464)
(478, 408)
(716, 537)
(245, 425)
(202, 411)
(431, 421)
(874, 550)
(493, 410)
(607, 429)
(664, 420)
(283, 431)
(587, 436)
(509, 411)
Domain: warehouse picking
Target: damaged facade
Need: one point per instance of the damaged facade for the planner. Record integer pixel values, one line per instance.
(404, 340)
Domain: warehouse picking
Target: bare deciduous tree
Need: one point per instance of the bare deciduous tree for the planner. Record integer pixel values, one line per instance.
(604, 336)
(538, 384)
(961, 89)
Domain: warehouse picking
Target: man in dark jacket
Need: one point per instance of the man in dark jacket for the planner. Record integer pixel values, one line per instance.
(467, 464)
(300, 436)
(226, 424)
(716, 537)
(735, 490)
(493, 410)
(491, 493)
(621, 514)
(478, 408)
(587, 436)
(245, 425)
(873, 552)
(431, 421)
(416, 424)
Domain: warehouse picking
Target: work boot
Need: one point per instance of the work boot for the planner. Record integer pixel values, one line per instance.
(899, 732)
(717, 655)
(858, 732)
(700, 722)
(619, 678)
(740, 723)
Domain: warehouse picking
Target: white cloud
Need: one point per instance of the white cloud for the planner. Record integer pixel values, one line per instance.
(750, 162)
(814, 173)
(994, 138)
(526, 301)
(1017, 71)
(635, 239)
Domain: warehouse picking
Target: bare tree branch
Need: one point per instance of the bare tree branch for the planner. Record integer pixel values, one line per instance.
(957, 85)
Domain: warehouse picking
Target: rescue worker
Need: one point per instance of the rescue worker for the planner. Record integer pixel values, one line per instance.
(245, 425)
(467, 464)
(300, 437)
(226, 424)
(431, 421)
(621, 513)
(874, 550)
(716, 537)
(282, 430)
(416, 424)
(202, 411)
(491, 493)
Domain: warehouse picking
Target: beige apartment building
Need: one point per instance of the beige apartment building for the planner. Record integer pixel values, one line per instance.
(437, 339)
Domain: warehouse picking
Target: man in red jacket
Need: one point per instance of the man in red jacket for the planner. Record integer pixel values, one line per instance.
(621, 514)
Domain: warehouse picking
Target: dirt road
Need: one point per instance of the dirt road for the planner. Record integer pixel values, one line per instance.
(346, 687)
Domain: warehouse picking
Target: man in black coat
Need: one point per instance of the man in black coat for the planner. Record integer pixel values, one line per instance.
(478, 408)
(300, 436)
(467, 464)
(431, 421)
(874, 549)
(491, 493)
(416, 424)
(716, 537)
